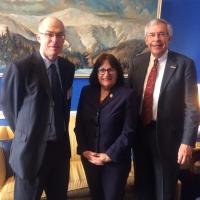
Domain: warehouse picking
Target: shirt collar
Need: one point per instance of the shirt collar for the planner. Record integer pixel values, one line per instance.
(161, 59)
(47, 62)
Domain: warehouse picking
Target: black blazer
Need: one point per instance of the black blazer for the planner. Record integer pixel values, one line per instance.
(108, 127)
(27, 104)
(178, 113)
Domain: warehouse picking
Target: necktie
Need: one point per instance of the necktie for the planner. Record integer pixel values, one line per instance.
(57, 125)
(54, 80)
(147, 113)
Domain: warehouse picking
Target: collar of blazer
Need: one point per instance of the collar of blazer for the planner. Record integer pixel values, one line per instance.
(170, 68)
(114, 92)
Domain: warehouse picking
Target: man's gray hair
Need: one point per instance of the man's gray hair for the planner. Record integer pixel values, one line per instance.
(158, 21)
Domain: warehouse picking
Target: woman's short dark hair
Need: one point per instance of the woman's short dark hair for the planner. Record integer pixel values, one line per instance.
(114, 64)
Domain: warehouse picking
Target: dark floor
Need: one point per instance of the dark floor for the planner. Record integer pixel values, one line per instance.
(190, 184)
(84, 195)
(190, 189)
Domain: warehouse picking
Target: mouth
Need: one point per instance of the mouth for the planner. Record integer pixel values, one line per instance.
(158, 46)
(54, 47)
(107, 79)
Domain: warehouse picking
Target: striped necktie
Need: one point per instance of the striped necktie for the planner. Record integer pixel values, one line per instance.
(147, 105)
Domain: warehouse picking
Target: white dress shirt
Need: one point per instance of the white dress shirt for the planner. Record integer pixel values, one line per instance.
(160, 72)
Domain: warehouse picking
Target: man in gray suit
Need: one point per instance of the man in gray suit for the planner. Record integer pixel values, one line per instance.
(169, 116)
(36, 98)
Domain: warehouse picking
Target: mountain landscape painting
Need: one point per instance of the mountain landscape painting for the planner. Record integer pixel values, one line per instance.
(92, 27)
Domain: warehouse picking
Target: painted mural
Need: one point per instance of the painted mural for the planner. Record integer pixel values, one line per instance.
(92, 27)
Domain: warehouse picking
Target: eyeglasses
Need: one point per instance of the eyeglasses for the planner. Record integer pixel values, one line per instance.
(160, 34)
(102, 70)
(51, 35)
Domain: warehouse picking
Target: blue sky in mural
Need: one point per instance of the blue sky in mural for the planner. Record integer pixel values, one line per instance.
(118, 6)
(122, 8)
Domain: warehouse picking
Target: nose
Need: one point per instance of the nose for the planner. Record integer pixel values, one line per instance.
(54, 38)
(157, 37)
(107, 73)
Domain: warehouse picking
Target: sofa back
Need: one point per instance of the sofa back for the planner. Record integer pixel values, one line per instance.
(6, 133)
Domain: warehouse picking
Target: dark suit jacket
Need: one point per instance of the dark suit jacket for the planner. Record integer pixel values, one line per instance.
(178, 114)
(108, 127)
(27, 104)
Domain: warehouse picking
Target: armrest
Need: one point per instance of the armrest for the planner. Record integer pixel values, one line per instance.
(196, 161)
(196, 167)
(194, 164)
(2, 168)
(6, 133)
(10, 133)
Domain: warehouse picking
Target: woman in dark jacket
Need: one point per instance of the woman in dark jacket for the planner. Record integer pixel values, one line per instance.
(105, 129)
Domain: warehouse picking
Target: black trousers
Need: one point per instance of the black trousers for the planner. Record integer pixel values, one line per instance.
(106, 182)
(53, 177)
(155, 177)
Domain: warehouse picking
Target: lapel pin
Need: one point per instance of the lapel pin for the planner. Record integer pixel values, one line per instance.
(173, 67)
(111, 95)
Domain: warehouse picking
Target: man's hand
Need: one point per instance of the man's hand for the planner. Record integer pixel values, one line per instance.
(184, 154)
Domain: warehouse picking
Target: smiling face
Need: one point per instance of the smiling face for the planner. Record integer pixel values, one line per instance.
(157, 39)
(51, 37)
(107, 75)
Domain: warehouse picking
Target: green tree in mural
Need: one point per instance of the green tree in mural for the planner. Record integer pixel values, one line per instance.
(14, 46)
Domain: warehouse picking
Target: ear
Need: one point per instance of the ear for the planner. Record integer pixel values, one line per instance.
(146, 41)
(38, 37)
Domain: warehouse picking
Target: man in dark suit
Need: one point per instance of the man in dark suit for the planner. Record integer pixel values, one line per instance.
(36, 99)
(169, 115)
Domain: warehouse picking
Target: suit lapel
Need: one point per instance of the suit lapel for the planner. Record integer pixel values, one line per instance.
(170, 68)
(141, 74)
(60, 75)
(112, 95)
(42, 74)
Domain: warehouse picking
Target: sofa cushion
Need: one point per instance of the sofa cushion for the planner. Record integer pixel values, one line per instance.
(2, 168)
(130, 180)
(5, 145)
(72, 136)
(77, 178)
(7, 192)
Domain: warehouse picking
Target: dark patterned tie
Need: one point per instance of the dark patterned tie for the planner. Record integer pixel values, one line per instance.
(53, 78)
(147, 113)
(58, 118)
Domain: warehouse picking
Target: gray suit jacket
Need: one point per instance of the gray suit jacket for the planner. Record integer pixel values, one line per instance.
(27, 104)
(178, 113)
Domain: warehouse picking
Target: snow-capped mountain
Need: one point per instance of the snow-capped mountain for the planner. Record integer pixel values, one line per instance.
(91, 26)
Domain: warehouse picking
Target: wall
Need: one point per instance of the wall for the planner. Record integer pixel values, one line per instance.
(184, 15)
(77, 85)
